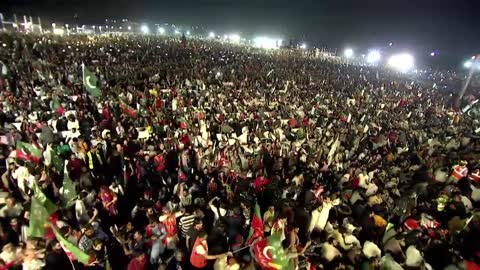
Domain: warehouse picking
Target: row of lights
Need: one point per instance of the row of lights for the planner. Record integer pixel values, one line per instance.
(402, 62)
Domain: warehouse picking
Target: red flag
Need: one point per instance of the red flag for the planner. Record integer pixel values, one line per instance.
(260, 183)
(128, 110)
(256, 227)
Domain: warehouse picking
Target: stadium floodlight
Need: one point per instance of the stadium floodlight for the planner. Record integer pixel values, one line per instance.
(468, 64)
(303, 46)
(402, 62)
(235, 38)
(265, 43)
(161, 30)
(348, 53)
(129, 28)
(144, 28)
(432, 54)
(373, 57)
(188, 33)
(211, 35)
(58, 31)
(177, 32)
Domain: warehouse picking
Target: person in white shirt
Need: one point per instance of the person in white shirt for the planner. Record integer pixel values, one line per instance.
(72, 123)
(12, 209)
(217, 211)
(74, 133)
(47, 155)
(329, 250)
(24, 178)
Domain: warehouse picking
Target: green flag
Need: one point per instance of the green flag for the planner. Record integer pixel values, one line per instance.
(69, 192)
(42, 198)
(269, 253)
(38, 218)
(71, 249)
(90, 82)
(57, 162)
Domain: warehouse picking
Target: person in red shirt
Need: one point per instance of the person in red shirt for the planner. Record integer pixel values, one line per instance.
(138, 262)
(199, 255)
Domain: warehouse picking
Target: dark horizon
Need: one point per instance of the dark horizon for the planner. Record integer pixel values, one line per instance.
(447, 27)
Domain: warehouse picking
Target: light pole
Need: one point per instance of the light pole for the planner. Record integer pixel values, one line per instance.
(467, 82)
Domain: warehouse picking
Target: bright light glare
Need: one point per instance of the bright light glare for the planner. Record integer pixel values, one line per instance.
(177, 32)
(265, 43)
(211, 35)
(161, 30)
(468, 64)
(373, 57)
(188, 33)
(348, 53)
(58, 31)
(129, 28)
(401, 62)
(235, 38)
(432, 54)
(144, 29)
(303, 46)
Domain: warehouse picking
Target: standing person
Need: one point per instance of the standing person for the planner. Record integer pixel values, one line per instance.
(268, 219)
(169, 219)
(95, 161)
(178, 262)
(86, 241)
(186, 222)
(193, 233)
(57, 258)
(109, 200)
(12, 209)
(139, 261)
(199, 256)
(294, 243)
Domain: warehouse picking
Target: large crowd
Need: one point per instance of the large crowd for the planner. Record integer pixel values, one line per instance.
(192, 145)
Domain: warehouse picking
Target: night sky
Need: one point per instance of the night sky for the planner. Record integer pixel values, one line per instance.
(452, 27)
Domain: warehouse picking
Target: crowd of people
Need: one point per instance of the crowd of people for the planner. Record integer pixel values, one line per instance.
(193, 144)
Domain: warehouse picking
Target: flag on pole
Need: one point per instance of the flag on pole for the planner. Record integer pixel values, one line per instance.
(69, 194)
(270, 254)
(128, 110)
(256, 226)
(90, 82)
(73, 252)
(26, 151)
(42, 198)
(38, 218)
